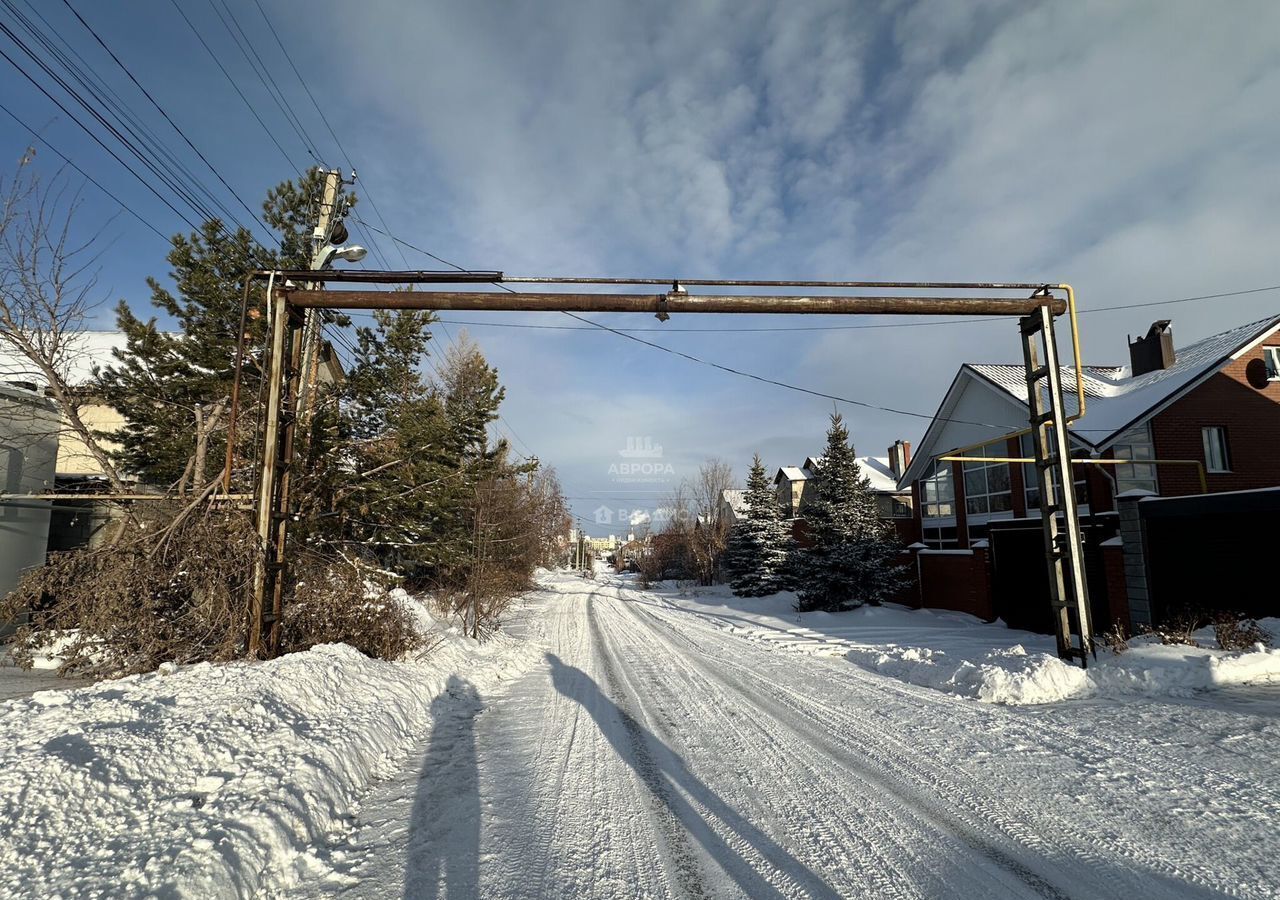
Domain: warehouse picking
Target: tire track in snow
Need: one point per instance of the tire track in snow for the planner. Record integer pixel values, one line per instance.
(944, 819)
(800, 797)
(1099, 841)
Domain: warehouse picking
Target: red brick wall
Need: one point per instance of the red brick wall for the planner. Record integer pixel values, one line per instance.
(1251, 416)
(959, 581)
(1117, 594)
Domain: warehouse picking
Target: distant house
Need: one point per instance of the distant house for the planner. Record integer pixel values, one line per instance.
(733, 506)
(1215, 402)
(794, 486)
(29, 426)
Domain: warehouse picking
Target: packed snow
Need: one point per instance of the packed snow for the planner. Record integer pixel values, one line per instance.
(618, 742)
(212, 780)
(960, 654)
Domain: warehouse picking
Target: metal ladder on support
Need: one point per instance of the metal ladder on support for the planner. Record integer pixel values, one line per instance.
(1064, 551)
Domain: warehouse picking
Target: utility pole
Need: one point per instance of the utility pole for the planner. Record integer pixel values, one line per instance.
(326, 225)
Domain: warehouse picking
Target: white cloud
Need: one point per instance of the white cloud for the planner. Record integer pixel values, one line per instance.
(1127, 148)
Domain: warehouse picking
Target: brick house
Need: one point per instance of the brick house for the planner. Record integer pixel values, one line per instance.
(1215, 402)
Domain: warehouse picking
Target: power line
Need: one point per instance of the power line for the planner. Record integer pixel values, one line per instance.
(263, 74)
(253, 216)
(86, 175)
(235, 87)
(95, 138)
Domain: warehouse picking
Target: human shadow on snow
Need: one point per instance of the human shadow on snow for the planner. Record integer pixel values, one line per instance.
(665, 775)
(443, 854)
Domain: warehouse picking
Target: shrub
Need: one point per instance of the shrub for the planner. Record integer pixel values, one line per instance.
(334, 602)
(1237, 632)
(176, 588)
(171, 589)
(1115, 640)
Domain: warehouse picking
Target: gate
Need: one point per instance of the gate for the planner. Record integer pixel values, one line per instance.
(1020, 582)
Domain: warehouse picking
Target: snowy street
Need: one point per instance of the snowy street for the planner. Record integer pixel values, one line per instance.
(650, 752)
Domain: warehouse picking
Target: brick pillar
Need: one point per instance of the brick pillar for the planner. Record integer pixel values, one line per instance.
(1117, 591)
(1136, 584)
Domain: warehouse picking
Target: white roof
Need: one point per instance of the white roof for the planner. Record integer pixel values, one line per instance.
(875, 468)
(83, 352)
(1116, 400)
(736, 500)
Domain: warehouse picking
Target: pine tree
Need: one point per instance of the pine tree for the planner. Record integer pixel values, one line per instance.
(756, 556)
(172, 383)
(852, 557)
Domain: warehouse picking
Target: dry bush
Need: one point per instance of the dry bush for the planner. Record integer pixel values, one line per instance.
(1237, 632)
(1178, 629)
(1115, 640)
(334, 602)
(172, 588)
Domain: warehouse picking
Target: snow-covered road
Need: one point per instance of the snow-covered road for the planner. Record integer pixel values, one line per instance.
(654, 754)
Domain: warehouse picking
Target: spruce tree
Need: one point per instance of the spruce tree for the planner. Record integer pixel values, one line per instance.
(756, 556)
(852, 559)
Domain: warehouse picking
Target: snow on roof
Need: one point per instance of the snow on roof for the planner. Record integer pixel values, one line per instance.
(877, 470)
(84, 352)
(1115, 399)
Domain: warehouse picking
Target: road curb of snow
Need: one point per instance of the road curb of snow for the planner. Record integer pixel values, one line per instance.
(959, 654)
(212, 780)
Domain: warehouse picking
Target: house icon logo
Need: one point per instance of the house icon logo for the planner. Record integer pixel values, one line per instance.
(604, 516)
(641, 448)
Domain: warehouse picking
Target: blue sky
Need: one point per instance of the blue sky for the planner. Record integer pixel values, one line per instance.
(1126, 148)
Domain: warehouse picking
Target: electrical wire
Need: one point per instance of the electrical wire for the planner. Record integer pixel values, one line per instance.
(130, 210)
(146, 93)
(234, 86)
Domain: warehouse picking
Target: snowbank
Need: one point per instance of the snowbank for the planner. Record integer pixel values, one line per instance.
(212, 780)
(960, 654)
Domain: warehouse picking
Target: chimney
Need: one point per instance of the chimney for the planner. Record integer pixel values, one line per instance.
(900, 457)
(1153, 352)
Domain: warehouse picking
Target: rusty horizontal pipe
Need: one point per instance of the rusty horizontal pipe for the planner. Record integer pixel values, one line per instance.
(674, 302)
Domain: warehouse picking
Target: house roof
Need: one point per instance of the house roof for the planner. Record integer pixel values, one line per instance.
(1116, 400)
(875, 468)
(736, 500)
(792, 473)
(84, 352)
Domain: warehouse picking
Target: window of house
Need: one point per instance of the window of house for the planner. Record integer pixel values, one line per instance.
(940, 537)
(986, 484)
(938, 492)
(894, 506)
(1031, 480)
(1272, 356)
(1136, 444)
(1216, 457)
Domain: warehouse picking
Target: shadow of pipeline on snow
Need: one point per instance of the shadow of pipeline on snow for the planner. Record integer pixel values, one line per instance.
(443, 854)
(665, 775)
